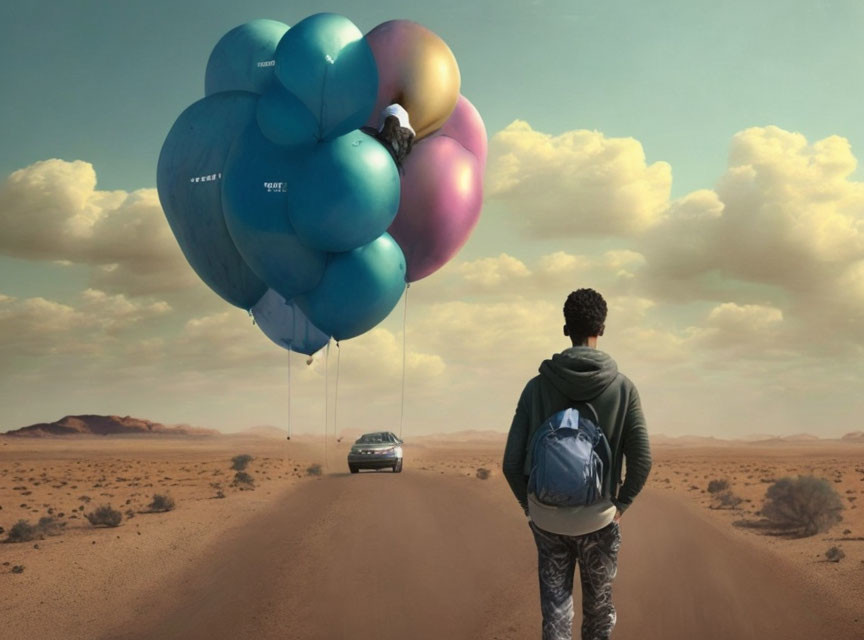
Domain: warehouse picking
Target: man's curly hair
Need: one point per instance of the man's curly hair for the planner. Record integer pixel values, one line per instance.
(584, 314)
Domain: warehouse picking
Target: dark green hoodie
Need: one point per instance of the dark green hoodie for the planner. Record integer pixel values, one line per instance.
(583, 373)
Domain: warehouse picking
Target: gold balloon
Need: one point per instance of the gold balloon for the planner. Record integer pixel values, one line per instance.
(417, 70)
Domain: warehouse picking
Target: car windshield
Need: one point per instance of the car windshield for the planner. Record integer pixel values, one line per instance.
(374, 438)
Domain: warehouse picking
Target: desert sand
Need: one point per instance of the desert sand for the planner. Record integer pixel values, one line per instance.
(433, 552)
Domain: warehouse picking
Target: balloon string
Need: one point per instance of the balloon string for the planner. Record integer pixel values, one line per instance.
(289, 391)
(336, 399)
(326, 396)
(404, 326)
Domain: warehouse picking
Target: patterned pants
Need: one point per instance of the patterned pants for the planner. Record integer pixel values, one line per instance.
(597, 556)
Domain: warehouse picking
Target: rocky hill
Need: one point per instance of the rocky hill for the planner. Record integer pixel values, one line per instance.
(107, 426)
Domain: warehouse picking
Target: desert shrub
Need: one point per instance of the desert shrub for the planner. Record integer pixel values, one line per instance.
(835, 554)
(105, 515)
(313, 469)
(805, 503)
(239, 463)
(243, 479)
(715, 486)
(161, 502)
(22, 531)
(49, 526)
(483, 474)
(726, 500)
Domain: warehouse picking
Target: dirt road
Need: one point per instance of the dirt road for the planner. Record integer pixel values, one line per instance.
(422, 555)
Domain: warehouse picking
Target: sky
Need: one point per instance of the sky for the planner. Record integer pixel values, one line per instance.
(694, 162)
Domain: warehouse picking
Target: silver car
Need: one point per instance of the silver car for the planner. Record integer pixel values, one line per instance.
(377, 450)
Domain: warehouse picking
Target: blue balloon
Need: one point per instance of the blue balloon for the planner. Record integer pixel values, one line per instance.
(257, 196)
(189, 181)
(286, 325)
(346, 194)
(359, 289)
(326, 62)
(285, 120)
(243, 59)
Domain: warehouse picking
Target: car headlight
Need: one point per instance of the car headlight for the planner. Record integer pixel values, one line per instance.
(397, 451)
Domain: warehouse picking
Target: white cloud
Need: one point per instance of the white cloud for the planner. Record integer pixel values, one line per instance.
(785, 213)
(493, 272)
(113, 312)
(784, 227)
(37, 327)
(52, 211)
(551, 276)
(482, 335)
(577, 183)
(733, 326)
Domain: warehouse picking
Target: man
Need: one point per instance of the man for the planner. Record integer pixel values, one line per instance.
(589, 535)
(394, 132)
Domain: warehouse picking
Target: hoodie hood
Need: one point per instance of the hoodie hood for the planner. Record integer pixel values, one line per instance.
(581, 372)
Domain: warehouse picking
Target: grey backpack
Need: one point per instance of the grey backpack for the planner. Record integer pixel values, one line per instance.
(570, 454)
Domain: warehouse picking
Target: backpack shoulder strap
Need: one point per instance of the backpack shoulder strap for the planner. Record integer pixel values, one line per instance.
(606, 449)
(588, 404)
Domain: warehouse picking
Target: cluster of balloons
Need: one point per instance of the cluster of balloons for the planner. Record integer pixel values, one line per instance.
(284, 207)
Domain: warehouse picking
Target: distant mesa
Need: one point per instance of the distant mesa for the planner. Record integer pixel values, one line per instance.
(752, 439)
(263, 431)
(801, 437)
(93, 425)
(661, 439)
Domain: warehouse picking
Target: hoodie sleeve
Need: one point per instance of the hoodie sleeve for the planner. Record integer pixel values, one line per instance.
(516, 451)
(637, 453)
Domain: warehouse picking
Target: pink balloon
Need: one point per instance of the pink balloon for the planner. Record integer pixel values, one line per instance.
(466, 126)
(442, 194)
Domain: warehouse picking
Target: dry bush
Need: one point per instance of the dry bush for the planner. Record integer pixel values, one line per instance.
(725, 500)
(105, 515)
(239, 463)
(23, 531)
(715, 486)
(314, 469)
(835, 554)
(806, 503)
(219, 492)
(243, 480)
(49, 526)
(483, 474)
(161, 502)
